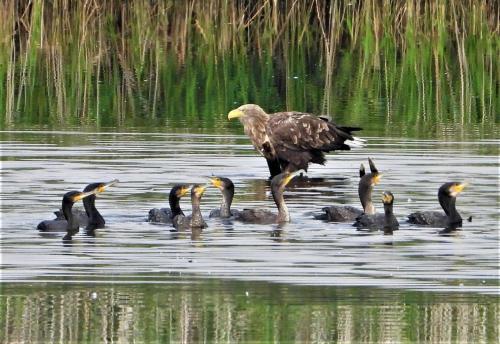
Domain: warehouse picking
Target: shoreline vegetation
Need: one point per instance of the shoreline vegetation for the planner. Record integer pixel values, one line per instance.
(105, 63)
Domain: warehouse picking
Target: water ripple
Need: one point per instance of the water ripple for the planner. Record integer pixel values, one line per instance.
(38, 167)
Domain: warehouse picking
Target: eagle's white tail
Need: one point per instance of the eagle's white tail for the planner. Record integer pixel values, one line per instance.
(356, 143)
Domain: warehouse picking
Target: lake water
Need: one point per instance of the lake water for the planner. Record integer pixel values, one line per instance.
(307, 280)
(141, 93)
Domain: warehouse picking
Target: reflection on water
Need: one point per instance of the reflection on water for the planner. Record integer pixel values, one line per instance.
(188, 311)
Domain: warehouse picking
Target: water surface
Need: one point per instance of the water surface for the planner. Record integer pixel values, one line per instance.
(39, 166)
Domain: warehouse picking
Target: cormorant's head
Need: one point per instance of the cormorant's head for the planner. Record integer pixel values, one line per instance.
(222, 183)
(451, 189)
(103, 186)
(246, 111)
(100, 187)
(197, 191)
(372, 178)
(179, 190)
(281, 180)
(387, 197)
(374, 174)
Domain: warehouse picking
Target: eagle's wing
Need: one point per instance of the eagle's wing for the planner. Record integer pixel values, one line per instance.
(301, 138)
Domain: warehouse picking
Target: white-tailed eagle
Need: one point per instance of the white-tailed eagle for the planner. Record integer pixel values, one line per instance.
(291, 140)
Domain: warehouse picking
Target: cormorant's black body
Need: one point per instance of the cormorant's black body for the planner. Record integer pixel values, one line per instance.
(166, 215)
(62, 225)
(226, 187)
(95, 219)
(90, 217)
(386, 222)
(195, 220)
(339, 213)
(79, 214)
(447, 194)
(70, 222)
(262, 216)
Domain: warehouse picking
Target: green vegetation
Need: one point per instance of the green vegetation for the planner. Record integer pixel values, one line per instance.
(115, 63)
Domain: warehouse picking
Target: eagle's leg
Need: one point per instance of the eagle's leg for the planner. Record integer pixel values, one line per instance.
(274, 167)
(287, 166)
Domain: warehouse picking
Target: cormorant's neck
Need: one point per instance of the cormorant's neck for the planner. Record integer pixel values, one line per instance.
(388, 210)
(95, 218)
(225, 206)
(196, 216)
(448, 205)
(365, 196)
(175, 208)
(283, 214)
(390, 221)
(68, 215)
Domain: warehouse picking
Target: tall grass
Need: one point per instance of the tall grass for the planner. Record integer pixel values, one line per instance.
(107, 62)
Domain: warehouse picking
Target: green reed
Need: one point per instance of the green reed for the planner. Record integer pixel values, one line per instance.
(110, 63)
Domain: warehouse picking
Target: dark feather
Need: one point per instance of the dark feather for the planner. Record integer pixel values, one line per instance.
(427, 218)
(301, 138)
(339, 213)
(294, 139)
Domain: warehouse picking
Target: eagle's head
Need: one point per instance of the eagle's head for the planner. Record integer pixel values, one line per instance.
(248, 111)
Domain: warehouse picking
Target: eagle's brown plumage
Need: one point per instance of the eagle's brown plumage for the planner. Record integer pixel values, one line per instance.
(291, 140)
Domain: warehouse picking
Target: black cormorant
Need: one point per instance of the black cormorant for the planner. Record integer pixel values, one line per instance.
(340, 213)
(195, 220)
(263, 216)
(95, 219)
(226, 187)
(69, 225)
(447, 195)
(165, 215)
(386, 222)
(90, 211)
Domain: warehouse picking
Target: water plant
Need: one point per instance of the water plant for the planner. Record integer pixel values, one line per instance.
(114, 63)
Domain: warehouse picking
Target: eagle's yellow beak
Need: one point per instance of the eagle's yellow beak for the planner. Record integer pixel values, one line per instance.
(236, 113)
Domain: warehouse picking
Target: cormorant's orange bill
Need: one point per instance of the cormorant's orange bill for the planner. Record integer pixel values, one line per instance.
(82, 195)
(103, 187)
(236, 113)
(387, 197)
(183, 191)
(455, 189)
(376, 178)
(217, 182)
(289, 177)
(199, 190)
